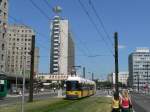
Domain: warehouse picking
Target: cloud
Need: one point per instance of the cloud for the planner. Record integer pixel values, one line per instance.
(121, 46)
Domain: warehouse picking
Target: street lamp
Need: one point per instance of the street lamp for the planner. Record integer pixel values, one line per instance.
(138, 81)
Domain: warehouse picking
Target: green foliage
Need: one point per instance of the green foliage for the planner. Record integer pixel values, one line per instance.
(90, 104)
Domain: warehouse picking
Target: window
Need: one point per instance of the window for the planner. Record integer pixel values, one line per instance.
(2, 57)
(0, 2)
(5, 15)
(2, 67)
(0, 12)
(4, 26)
(5, 4)
(3, 35)
(3, 46)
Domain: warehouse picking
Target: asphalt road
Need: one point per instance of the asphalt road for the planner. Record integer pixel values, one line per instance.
(141, 102)
(12, 100)
(100, 93)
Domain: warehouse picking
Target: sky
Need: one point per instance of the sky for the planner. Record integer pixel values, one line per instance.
(130, 18)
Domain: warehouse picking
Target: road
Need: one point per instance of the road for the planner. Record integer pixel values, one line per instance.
(141, 102)
(13, 99)
(100, 93)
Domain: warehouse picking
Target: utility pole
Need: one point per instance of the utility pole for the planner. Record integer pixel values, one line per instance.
(23, 85)
(83, 72)
(32, 69)
(116, 61)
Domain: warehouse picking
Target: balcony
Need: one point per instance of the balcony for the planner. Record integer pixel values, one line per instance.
(56, 28)
(56, 25)
(56, 40)
(56, 65)
(55, 61)
(55, 56)
(56, 48)
(55, 69)
(56, 32)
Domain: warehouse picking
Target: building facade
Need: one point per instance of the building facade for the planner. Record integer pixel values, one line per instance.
(51, 77)
(139, 68)
(19, 48)
(122, 77)
(62, 47)
(3, 33)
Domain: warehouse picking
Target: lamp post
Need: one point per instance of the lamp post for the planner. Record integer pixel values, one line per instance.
(138, 83)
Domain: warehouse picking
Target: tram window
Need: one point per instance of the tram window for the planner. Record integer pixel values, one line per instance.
(1, 88)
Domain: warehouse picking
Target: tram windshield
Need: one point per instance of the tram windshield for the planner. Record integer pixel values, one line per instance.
(1, 87)
(72, 85)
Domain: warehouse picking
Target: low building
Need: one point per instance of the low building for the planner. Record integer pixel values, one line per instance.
(122, 77)
(50, 77)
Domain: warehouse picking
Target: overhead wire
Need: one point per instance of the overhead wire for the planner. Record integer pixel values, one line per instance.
(41, 11)
(82, 43)
(19, 21)
(100, 21)
(95, 26)
(71, 30)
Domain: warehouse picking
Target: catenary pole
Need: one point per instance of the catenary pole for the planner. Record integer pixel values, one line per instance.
(116, 61)
(32, 69)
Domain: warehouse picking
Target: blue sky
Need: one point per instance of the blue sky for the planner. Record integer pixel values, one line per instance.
(130, 18)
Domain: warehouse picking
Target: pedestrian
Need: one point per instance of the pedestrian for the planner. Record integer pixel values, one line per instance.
(116, 103)
(126, 104)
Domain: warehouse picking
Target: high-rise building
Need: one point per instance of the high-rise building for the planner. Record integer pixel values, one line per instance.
(62, 47)
(3, 33)
(139, 68)
(19, 48)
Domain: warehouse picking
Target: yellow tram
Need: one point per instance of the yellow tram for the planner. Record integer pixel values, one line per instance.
(77, 87)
